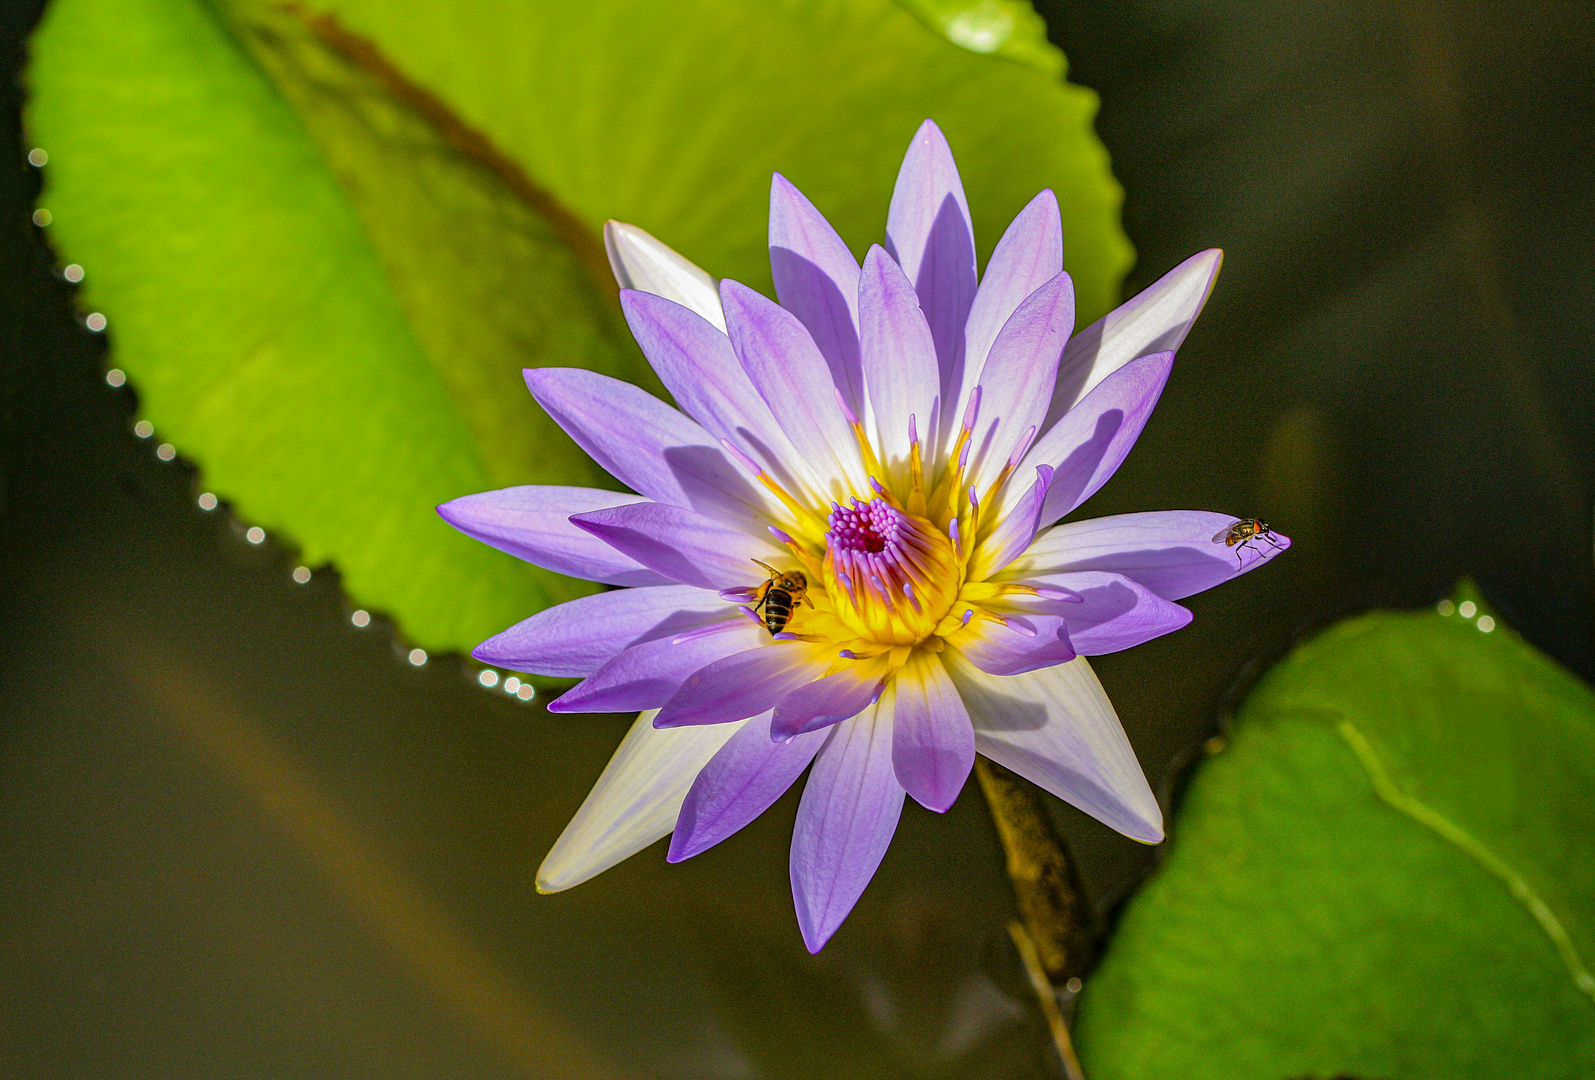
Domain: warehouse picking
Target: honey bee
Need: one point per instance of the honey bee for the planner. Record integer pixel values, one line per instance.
(779, 594)
(1242, 533)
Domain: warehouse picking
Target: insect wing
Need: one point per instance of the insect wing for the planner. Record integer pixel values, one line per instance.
(1227, 535)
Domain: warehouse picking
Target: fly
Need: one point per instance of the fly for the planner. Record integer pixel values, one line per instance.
(1242, 534)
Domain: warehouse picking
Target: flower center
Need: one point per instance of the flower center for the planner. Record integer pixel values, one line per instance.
(892, 575)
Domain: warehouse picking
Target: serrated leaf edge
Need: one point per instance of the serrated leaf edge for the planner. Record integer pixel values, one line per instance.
(1387, 789)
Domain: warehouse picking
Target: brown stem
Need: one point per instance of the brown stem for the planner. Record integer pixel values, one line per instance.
(1048, 998)
(1046, 885)
(1055, 932)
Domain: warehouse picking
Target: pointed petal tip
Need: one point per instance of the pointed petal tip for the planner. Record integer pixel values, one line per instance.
(816, 935)
(552, 880)
(938, 805)
(1141, 822)
(1211, 260)
(1151, 834)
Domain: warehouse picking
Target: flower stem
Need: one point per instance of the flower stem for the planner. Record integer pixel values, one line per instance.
(1048, 998)
(1055, 934)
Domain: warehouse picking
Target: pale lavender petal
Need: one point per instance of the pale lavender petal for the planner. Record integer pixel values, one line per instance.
(1029, 255)
(1057, 729)
(1016, 382)
(698, 366)
(685, 547)
(634, 803)
(641, 262)
(1026, 643)
(574, 640)
(933, 744)
(1155, 320)
(646, 675)
(1171, 552)
(816, 278)
(928, 233)
(899, 357)
(786, 367)
(1114, 612)
(1013, 533)
(533, 523)
(649, 446)
(740, 782)
(827, 701)
(1089, 444)
(741, 685)
(845, 822)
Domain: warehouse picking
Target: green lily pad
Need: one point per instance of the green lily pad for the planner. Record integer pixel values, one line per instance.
(1386, 873)
(327, 240)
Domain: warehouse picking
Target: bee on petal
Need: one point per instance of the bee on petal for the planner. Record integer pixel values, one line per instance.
(779, 594)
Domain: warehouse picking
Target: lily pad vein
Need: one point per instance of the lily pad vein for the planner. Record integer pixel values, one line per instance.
(1387, 789)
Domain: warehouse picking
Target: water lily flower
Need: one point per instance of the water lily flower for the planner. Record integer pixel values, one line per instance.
(897, 440)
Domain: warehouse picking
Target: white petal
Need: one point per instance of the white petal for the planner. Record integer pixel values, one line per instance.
(1057, 729)
(1154, 320)
(641, 262)
(635, 801)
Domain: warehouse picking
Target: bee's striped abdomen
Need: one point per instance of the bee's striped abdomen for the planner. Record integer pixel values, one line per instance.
(777, 610)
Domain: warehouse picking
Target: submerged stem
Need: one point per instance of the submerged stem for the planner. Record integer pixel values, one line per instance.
(1048, 998)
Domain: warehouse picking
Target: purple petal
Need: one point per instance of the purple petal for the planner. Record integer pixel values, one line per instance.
(1057, 729)
(574, 640)
(649, 446)
(1114, 612)
(933, 744)
(533, 523)
(928, 233)
(741, 685)
(685, 547)
(1016, 382)
(641, 262)
(701, 370)
(1027, 643)
(845, 823)
(816, 278)
(1013, 535)
(786, 367)
(1089, 444)
(1155, 320)
(827, 701)
(899, 356)
(740, 782)
(634, 802)
(1171, 552)
(646, 675)
(1029, 255)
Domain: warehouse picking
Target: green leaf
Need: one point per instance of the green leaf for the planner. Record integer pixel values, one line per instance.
(327, 241)
(1008, 28)
(1386, 873)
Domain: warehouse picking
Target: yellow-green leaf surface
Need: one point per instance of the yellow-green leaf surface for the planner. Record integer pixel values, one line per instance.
(1386, 874)
(328, 237)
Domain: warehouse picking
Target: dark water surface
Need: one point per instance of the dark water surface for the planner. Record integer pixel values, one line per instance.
(241, 838)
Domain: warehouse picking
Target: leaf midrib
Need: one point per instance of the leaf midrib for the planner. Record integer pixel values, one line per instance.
(1386, 788)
